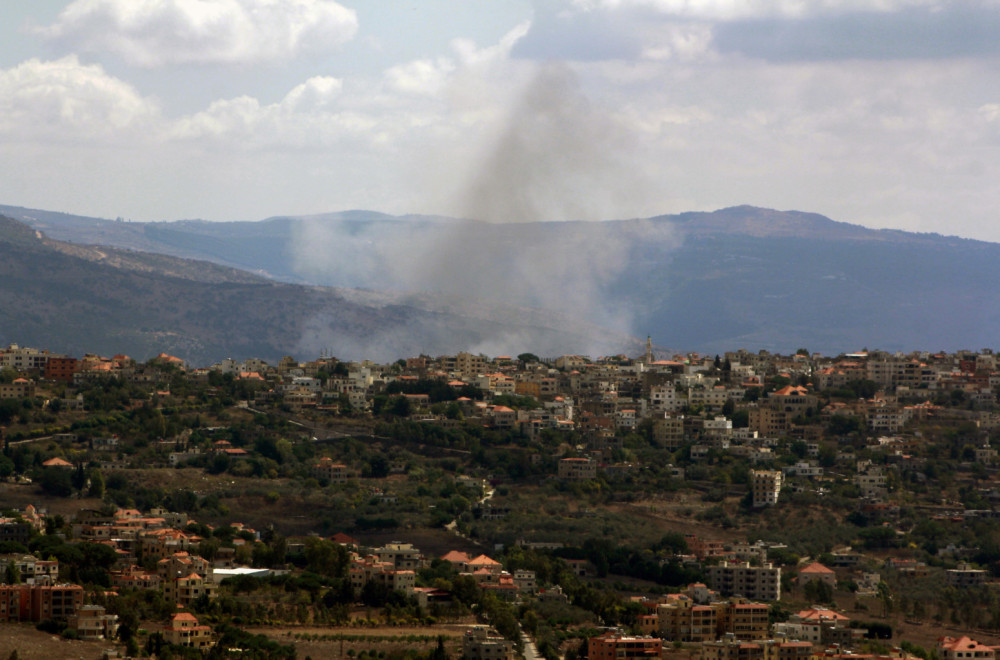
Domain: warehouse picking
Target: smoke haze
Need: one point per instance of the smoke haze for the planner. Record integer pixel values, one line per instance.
(557, 160)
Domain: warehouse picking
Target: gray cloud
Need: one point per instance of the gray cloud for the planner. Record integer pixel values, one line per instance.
(557, 34)
(955, 30)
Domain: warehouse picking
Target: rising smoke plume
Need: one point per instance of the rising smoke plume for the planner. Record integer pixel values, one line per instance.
(558, 165)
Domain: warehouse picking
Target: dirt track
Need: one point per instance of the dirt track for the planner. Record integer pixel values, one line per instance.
(383, 638)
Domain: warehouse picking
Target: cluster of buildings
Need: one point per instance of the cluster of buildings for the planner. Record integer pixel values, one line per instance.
(725, 619)
(32, 590)
(395, 565)
(737, 629)
(690, 401)
(686, 401)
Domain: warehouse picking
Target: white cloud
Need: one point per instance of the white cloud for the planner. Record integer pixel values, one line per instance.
(744, 9)
(67, 100)
(152, 33)
(309, 117)
(682, 41)
(417, 102)
(990, 111)
(421, 76)
(472, 55)
(314, 94)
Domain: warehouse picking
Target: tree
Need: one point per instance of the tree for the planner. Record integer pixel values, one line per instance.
(438, 653)
(325, 557)
(79, 478)
(9, 408)
(154, 645)
(843, 425)
(96, 484)
(57, 481)
(399, 406)
(375, 594)
(863, 388)
(827, 455)
(885, 596)
(818, 591)
(378, 467)
(12, 575)
(465, 590)
(218, 464)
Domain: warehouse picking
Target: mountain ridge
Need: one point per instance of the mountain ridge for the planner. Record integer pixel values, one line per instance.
(78, 299)
(741, 276)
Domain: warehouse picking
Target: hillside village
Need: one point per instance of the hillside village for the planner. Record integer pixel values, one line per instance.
(730, 507)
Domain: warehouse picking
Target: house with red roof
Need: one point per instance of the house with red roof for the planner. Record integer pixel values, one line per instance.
(964, 648)
(185, 630)
(327, 469)
(817, 571)
(344, 539)
(482, 562)
(165, 359)
(819, 625)
(57, 463)
(503, 417)
(577, 469)
(19, 388)
(821, 614)
(456, 558)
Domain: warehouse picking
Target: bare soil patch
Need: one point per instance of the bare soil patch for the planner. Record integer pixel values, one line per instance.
(433, 543)
(18, 496)
(32, 644)
(677, 515)
(335, 642)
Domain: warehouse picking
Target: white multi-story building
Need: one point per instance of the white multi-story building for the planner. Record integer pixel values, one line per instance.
(871, 481)
(666, 398)
(765, 486)
(577, 469)
(743, 579)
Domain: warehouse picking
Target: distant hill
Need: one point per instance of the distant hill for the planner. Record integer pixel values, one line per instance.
(738, 277)
(76, 299)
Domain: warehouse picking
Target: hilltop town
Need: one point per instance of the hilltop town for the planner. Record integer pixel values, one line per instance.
(739, 506)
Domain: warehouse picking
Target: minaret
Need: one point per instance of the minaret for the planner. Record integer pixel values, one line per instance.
(649, 350)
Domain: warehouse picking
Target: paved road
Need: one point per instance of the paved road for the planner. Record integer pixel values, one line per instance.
(530, 652)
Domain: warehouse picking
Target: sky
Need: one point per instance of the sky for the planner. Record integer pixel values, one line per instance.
(884, 113)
